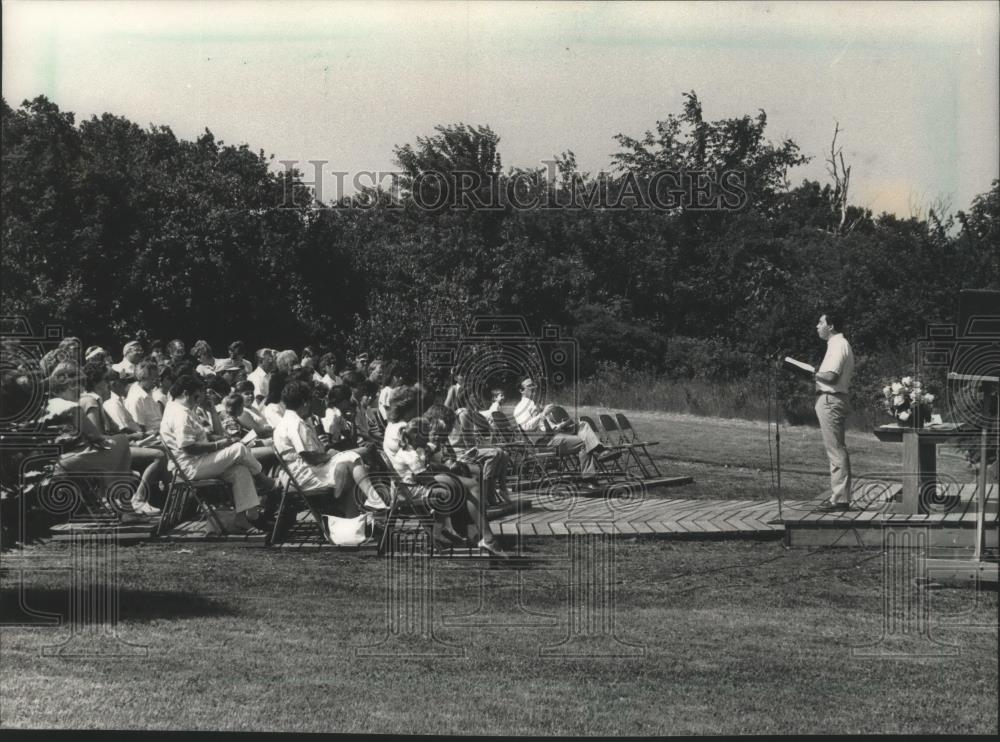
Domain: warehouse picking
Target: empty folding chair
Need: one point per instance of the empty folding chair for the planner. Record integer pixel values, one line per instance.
(630, 434)
(616, 439)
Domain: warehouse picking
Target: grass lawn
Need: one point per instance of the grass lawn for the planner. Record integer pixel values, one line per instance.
(738, 637)
(729, 459)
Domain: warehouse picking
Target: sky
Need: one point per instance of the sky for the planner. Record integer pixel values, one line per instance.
(914, 86)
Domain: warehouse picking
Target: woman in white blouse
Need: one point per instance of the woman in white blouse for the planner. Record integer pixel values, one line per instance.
(446, 493)
(314, 468)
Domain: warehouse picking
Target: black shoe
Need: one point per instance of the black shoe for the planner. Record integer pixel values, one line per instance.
(607, 455)
(833, 507)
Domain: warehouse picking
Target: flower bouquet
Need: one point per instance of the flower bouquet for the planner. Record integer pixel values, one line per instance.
(907, 401)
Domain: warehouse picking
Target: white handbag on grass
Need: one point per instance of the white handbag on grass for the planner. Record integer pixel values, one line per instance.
(349, 531)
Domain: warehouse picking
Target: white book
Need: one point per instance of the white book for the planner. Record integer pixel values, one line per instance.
(249, 437)
(800, 368)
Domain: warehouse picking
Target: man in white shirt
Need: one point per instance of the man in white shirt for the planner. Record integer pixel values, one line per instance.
(132, 354)
(262, 374)
(139, 402)
(833, 379)
(115, 408)
(586, 444)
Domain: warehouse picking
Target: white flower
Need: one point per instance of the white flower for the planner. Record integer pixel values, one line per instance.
(928, 398)
(917, 384)
(898, 401)
(915, 396)
(896, 387)
(887, 390)
(906, 380)
(904, 416)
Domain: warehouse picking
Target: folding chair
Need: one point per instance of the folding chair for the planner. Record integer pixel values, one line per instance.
(526, 455)
(180, 487)
(403, 505)
(614, 438)
(290, 488)
(629, 434)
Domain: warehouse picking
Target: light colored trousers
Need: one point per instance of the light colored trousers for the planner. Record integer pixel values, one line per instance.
(582, 444)
(832, 413)
(234, 464)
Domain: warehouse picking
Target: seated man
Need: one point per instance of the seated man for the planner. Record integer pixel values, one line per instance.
(131, 355)
(202, 455)
(139, 402)
(297, 442)
(585, 443)
(114, 405)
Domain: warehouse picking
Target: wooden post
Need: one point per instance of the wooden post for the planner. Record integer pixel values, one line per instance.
(919, 469)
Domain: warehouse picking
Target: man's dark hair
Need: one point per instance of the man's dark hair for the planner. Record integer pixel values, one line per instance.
(237, 346)
(338, 393)
(369, 388)
(275, 386)
(186, 385)
(296, 393)
(353, 379)
(442, 413)
(245, 386)
(219, 385)
(835, 320)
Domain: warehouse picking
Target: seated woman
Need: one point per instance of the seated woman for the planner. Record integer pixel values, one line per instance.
(317, 469)
(488, 465)
(252, 417)
(274, 410)
(85, 449)
(161, 393)
(151, 462)
(202, 455)
(233, 425)
(444, 492)
(202, 352)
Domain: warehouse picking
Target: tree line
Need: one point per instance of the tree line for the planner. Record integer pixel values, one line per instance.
(110, 228)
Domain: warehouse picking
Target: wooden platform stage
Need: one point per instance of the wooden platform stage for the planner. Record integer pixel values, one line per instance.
(953, 527)
(948, 524)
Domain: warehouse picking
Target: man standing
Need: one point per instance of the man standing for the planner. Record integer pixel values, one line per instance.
(833, 379)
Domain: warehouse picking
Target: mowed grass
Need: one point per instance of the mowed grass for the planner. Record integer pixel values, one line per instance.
(739, 637)
(730, 459)
(735, 637)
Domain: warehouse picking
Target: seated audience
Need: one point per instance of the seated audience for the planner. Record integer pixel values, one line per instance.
(177, 353)
(202, 352)
(139, 400)
(202, 455)
(287, 361)
(236, 359)
(274, 410)
(488, 465)
(585, 443)
(151, 462)
(314, 468)
(114, 405)
(131, 355)
(85, 448)
(165, 380)
(449, 497)
(262, 374)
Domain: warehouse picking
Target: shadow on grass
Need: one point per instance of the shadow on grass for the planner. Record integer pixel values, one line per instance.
(51, 606)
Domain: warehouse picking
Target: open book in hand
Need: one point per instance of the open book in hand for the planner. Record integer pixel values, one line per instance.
(249, 438)
(799, 368)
